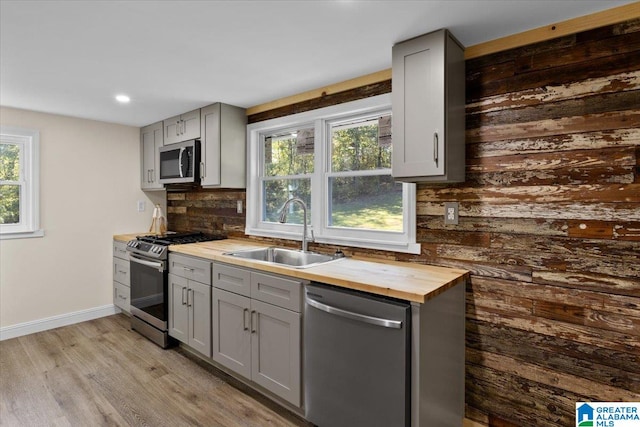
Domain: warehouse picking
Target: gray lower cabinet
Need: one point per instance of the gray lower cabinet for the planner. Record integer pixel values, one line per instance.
(190, 302)
(121, 279)
(258, 335)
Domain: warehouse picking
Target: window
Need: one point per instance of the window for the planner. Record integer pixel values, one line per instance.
(19, 213)
(338, 161)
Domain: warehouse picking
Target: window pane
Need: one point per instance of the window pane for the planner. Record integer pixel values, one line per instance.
(367, 202)
(9, 204)
(290, 154)
(358, 146)
(276, 192)
(9, 162)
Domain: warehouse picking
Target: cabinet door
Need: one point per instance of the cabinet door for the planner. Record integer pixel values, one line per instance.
(120, 250)
(223, 134)
(150, 141)
(231, 335)
(191, 268)
(178, 310)
(232, 279)
(275, 350)
(418, 100)
(210, 145)
(121, 295)
(199, 302)
(190, 126)
(172, 127)
(285, 293)
(121, 271)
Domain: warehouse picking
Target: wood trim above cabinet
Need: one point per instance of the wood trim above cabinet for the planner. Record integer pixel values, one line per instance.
(559, 29)
(368, 79)
(570, 26)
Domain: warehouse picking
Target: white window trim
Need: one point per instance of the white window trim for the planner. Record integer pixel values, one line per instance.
(29, 225)
(371, 239)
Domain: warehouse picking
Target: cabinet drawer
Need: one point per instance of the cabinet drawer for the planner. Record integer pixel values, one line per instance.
(121, 295)
(276, 290)
(121, 271)
(232, 279)
(120, 250)
(190, 268)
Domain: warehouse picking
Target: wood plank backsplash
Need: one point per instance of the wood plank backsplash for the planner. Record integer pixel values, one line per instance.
(549, 225)
(210, 211)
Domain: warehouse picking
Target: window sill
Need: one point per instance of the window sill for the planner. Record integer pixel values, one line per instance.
(22, 235)
(410, 248)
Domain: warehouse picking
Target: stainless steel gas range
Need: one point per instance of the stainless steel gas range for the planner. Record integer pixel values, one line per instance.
(149, 282)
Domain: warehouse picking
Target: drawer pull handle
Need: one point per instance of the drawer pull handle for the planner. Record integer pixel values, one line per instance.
(254, 325)
(435, 147)
(244, 319)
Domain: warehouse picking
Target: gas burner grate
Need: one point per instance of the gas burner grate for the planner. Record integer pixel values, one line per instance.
(179, 238)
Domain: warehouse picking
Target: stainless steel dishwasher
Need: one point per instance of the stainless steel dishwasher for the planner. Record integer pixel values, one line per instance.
(356, 359)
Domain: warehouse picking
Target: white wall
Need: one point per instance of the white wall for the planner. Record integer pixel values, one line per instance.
(89, 187)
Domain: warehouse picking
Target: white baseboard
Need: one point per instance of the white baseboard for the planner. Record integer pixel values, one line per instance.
(40, 325)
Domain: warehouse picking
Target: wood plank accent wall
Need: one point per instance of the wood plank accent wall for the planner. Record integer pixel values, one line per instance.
(549, 225)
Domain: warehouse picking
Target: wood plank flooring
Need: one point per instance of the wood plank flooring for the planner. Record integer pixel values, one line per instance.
(101, 373)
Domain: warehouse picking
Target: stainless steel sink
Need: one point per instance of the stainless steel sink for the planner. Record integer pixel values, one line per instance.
(289, 257)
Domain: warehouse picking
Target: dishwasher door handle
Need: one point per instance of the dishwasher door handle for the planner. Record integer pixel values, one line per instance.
(377, 321)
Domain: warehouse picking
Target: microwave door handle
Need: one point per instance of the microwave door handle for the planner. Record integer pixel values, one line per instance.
(181, 167)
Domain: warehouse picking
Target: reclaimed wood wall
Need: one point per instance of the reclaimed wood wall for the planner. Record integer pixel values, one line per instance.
(208, 211)
(549, 225)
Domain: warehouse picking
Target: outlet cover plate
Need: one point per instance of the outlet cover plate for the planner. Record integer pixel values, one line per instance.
(451, 213)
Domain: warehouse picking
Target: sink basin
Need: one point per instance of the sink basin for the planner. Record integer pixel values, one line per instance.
(283, 256)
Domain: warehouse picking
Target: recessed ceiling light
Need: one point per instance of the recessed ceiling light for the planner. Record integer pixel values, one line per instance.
(123, 98)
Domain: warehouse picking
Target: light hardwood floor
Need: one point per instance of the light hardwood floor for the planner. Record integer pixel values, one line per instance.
(101, 373)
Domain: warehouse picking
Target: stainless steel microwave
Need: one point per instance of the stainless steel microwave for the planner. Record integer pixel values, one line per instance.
(180, 163)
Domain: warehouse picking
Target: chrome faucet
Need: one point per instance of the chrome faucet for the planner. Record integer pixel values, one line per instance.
(283, 218)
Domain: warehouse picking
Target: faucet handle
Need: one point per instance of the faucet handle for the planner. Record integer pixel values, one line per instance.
(313, 238)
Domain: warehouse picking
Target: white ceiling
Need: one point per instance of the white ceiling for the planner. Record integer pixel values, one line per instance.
(73, 57)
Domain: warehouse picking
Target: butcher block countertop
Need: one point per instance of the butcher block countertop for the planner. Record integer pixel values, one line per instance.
(411, 282)
(407, 281)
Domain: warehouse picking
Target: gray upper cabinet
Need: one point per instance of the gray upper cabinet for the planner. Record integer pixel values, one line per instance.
(150, 141)
(223, 146)
(182, 128)
(428, 102)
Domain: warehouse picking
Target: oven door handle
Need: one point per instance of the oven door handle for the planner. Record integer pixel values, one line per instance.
(153, 264)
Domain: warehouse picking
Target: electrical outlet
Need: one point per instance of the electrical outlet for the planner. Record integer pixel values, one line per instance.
(451, 213)
(141, 206)
(239, 207)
